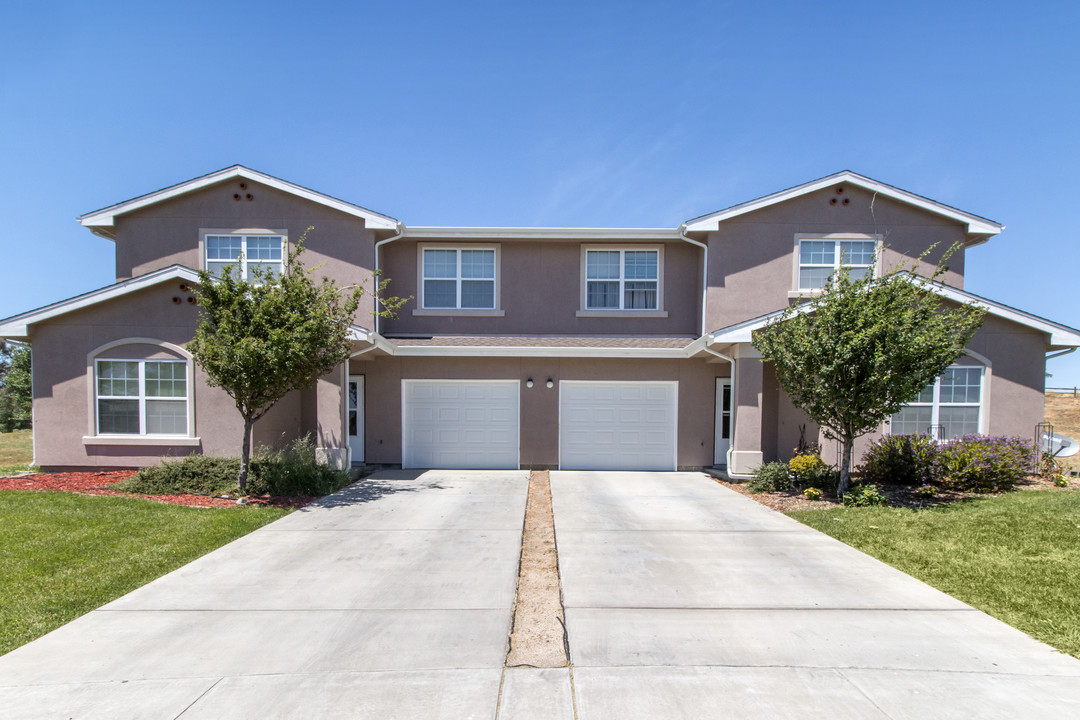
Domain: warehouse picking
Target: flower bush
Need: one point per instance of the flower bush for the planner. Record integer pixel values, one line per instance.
(812, 493)
(901, 460)
(770, 477)
(977, 463)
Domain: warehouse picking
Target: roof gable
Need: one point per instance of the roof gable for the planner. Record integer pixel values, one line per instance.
(102, 222)
(979, 229)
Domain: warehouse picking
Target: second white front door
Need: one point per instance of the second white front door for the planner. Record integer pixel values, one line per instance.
(723, 421)
(354, 418)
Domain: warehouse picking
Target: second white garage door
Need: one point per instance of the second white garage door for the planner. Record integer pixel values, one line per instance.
(617, 425)
(460, 424)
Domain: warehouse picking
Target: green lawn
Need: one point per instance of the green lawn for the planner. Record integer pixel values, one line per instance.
(62, 555)
(1015, 556)
(16, 451)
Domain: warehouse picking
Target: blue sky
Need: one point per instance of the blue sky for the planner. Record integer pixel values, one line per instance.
(554, 113)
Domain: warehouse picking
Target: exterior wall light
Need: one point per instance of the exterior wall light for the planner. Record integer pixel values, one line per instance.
(529, 383)
(550, 383)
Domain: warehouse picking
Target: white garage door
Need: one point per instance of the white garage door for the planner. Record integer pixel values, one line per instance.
(617, 425)
(459, 424)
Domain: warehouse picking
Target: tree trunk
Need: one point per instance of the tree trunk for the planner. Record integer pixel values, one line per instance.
(847, 447)
(245, 457)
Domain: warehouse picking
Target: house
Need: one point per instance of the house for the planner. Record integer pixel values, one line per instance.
(581, 348)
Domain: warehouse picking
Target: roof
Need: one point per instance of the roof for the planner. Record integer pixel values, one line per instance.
(102, 222)
(979, 229)
(17, 327)
(555, 233)
(1060, 336)
(537, 346)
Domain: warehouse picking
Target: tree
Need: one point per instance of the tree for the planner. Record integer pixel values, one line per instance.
(15, 397)
(261, 338)
(857, 353)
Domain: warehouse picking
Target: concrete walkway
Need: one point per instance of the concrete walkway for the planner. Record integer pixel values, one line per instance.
(393, 599)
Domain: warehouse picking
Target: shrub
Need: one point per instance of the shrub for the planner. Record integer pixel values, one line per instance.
(770, 477)
(812, 493)
(867, 495)
(900, 460)
(289, 471)
(805, 463)
(926, 491)
(977, 463)
(1061, 481)
(811, 471)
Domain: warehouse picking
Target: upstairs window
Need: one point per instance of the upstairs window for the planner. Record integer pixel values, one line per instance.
(141, 397)
(246, 253)
(622, 279)
(947, 408)
(820, 258)
(458, 279)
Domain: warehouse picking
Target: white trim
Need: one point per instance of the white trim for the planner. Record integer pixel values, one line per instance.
(153, 440)
(936, 405)
(17, 326)
(621, 313)
(505, 351)
(245, 261)
(834, 238)
(978, 228)
(618, 312)
(141, 398)
(718, 419)
(495, 248)
(533, 233)
(360, 424)
(447, 312)
(102, 221)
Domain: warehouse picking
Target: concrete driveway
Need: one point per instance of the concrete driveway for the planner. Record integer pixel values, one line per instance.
(393, 599)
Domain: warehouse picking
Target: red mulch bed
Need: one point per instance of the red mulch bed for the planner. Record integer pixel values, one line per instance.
(99, 483)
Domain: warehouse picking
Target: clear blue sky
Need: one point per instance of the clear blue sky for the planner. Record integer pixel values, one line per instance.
(552, 113)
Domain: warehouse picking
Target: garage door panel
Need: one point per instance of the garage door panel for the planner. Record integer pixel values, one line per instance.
(617, 425)
(460, 424)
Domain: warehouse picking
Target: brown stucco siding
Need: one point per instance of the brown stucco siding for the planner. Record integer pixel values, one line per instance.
(539, 405)
(540, 291)
(168, 233)
(752, 260)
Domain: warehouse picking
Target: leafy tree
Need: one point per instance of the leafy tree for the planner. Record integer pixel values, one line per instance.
(15, 396)
(857, 353)
(259, 339)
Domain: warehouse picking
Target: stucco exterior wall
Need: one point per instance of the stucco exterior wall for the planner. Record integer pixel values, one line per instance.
(539, 291)
(539, 404)
(168, 233)
(753, 260)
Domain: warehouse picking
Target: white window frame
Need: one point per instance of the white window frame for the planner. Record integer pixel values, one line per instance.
(936, 405)
(142, 397)
(622, 311)
(244, 235)
(457, 309)
(835, 238)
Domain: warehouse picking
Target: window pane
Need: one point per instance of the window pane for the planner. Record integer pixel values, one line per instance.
(166, 379)
(271, 266)
(478, 264)
(118, 378)
(166, 417)
(911, 421)
(857, 273)
(602, 295)
(352, 423)
(118, 417)
(263, 247)
(440, 294)
(961, 385)
(223, 247)
(857, 252)
(814, 278)
(957, 421)
(602, 265)
(440, 263)
(217, 268)
(640, 264)
(817, 252)
(639, 295)
(478, 294)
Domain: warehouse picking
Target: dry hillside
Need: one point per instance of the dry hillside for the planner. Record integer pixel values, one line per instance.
(1063, 410)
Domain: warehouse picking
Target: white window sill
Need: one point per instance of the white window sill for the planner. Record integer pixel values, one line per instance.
(458, 313)
(795, 294)
(153, 440)
(622, 313)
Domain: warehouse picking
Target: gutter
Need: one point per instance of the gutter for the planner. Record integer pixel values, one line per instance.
(1058, 354)
(379, 244)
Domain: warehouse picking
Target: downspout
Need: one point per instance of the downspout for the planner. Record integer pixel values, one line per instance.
(704, 273)
(379, 244)
(1059, 353)
(734, 415)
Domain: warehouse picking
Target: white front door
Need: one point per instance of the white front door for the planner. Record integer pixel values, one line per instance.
(608, 425)
(355, 418)
(723, 421)
(460, 424)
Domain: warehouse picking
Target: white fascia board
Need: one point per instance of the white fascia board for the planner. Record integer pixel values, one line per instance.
(979, 227)
(100, 221)
(579, 352)
(362, 334)
(532, 233)
(17, 326)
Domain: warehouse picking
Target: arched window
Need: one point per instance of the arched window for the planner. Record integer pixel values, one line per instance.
(141, 388)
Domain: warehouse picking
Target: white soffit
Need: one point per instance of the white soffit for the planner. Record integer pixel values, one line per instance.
(102, 221)
(979, 227)
(18, 326)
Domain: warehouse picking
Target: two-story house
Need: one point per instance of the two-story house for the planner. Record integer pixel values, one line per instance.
(583, 348)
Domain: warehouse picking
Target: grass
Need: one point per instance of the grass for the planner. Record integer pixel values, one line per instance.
(1013, 556)
(16, 451)
(62, 554)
